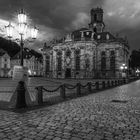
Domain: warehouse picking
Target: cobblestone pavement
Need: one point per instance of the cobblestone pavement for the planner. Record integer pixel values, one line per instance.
(112, 114)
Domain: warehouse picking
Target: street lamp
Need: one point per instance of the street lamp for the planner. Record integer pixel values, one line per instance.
(21, 72)
(123, 67)
(22, 28)
(9, 30)
(137, 72)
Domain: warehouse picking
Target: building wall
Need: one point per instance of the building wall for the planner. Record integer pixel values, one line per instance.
(34, 66)
(90, 59)
(4, 65)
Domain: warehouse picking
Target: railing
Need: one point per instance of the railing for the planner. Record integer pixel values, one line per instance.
(91, 87)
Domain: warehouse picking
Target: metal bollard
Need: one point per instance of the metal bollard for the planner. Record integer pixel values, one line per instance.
(89, 87)
(112, 83)
(97, 85)
(115, 83)
(78, 89)
(62, 91)
(21, 101)
(108, 84)
(103, 84)
(124, 80)
(121, 81)
(40, 95)
(118, 82)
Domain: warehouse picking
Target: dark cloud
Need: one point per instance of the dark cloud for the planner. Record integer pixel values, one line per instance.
(57, 17)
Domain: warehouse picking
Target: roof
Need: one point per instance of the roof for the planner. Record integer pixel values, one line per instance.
(105, 36)
(77, 33)
(87, 34)
(2, 52)
(98, 9)
(27, 54)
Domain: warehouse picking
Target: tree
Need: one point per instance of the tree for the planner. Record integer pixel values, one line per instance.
(135, 59)
(9, 46)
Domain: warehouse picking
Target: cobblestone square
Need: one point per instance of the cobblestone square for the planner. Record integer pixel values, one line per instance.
(92, 117)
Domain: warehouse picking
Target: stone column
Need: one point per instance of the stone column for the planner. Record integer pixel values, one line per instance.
(82, 36)
(92, 36)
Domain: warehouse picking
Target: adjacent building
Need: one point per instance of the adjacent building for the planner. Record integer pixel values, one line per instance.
(30, 60)
(4, 63)
(88, 52)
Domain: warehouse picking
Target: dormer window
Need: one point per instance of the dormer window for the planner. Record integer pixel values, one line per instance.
(87, 33)
(107, 37)
(99, 36)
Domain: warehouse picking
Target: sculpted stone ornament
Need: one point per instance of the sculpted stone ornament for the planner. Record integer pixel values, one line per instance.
(68, 60)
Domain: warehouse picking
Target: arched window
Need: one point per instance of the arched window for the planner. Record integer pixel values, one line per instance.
(95, 30)
(112, 60)
(59, 61)
(77, 60)
(95, 17)
(68, 53)
(87, 63)
(103, 60)
(47, 64)
(94, 62)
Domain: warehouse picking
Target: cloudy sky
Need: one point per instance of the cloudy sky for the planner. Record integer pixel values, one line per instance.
(58, 17)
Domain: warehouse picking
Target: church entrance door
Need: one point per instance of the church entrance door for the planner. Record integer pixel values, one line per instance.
(68, 73)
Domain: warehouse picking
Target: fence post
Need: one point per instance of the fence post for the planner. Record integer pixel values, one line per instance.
(103, 84)
(78, 89)
(62, 91)
(97, 85)
(89, 87)
(40, 95)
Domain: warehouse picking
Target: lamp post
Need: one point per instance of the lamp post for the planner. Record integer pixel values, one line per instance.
(22, 28)
(20, 72)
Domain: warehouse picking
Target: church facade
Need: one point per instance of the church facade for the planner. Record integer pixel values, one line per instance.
(87, 53)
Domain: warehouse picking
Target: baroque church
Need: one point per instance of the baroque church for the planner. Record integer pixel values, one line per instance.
(88, 52)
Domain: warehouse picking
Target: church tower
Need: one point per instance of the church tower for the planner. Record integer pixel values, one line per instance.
(97, 24)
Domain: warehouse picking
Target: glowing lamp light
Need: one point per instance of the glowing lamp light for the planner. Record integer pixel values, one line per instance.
(34, 32)
(22, 28)
(137, 71)
(121, 67)
(29, 71)
(125, 67)
(9, 30)
(22, 18)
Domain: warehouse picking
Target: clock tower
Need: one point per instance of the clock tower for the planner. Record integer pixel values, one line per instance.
(97, 24)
